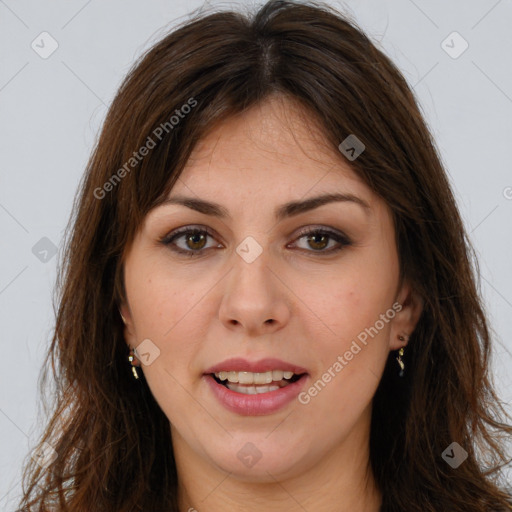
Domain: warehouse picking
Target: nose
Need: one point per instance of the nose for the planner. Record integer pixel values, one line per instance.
(255, 300)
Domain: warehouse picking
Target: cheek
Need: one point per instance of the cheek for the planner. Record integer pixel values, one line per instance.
(166, 311)
(348, 369)
(354, 304)
(352, 298)
(161, 300)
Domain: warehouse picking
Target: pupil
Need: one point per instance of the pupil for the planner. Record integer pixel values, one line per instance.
(195, 238)
(313, 238)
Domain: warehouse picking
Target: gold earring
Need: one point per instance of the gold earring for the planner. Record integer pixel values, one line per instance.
(124, 319)
(400, 362)
(400, 354)
(399, 358)
(134, 367)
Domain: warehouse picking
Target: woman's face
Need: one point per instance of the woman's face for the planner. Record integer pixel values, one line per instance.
(254, 286)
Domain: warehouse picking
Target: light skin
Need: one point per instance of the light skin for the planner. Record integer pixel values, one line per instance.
(204, 309)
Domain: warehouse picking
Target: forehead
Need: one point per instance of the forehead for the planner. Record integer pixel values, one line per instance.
(276, 144)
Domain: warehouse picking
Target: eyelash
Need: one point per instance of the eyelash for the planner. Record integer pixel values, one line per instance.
(169, 239)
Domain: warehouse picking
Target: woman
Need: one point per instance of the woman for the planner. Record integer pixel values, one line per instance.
(265, 233)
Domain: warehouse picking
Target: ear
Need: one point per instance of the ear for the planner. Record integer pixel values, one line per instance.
(129, 330)
(405, 320)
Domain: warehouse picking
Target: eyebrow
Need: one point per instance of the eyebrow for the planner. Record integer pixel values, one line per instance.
(287, 210)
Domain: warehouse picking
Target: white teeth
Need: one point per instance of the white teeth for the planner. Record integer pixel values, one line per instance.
(249, 383)
(277, 375)
(254, 378)
(252, 390)
(263, 378)
(245, 378)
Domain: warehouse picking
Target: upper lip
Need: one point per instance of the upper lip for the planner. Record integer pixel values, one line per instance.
(238, 364)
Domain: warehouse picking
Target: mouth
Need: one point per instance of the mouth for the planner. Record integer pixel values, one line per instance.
(255, 388)
(249, 383)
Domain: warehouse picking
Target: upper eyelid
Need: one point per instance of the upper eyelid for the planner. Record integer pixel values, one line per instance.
(302, 231)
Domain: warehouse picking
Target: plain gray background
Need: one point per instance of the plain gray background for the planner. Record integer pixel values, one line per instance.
(52, 108)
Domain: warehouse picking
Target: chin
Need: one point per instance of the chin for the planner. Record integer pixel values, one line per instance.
(252, 458)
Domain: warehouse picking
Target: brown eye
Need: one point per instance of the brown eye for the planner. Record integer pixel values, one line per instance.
(318, 240)
(192, 241)
(196, 241)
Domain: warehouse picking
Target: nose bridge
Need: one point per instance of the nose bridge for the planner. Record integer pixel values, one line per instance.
(253, 296)
(251, 270)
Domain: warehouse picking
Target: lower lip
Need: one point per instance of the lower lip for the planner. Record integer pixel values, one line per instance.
(259, 404)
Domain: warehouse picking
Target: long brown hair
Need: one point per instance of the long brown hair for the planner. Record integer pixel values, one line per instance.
(112, 441)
